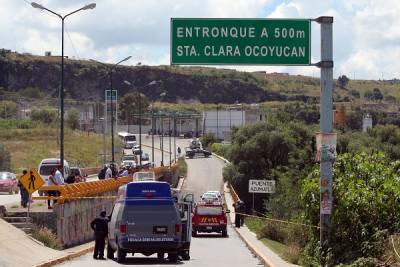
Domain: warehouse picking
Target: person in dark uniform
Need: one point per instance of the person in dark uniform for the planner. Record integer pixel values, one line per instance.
(100, 228)
(24, 192)
(236, 206)
(242, 210)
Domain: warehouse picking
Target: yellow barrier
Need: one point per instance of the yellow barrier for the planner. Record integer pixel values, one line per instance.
(235, 196)
(92, 188)
(71, 191)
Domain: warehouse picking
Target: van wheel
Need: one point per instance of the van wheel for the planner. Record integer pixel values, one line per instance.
(110, 251)
(224, 233)
(186, 255)
(121, 255)
(194, 233)
(173, 257)
(160, 255)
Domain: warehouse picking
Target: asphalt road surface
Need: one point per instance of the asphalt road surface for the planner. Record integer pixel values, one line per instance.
(206, 250)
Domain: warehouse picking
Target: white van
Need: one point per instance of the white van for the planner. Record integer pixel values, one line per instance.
(46, 165)
(144, 176)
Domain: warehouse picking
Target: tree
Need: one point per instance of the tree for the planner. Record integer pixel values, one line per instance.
(355, 93)
(365, 200)
(342, 81)
(46, 116)
(368, 95)
(376, 94)
(5, 159)
(8, 109)
(72, 118)
(129, 107)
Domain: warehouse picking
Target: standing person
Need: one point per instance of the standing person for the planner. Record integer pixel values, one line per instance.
(108, 173)
(52, 181)
(237, 216)
(102, 173)
(24, 193)
(179, 151)
(100, 228)
(242, 210)
(59, 175)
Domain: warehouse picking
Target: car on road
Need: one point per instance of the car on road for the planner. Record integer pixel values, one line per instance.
(191, 153)
(210, 197)
(129, 160)
(80, 175)
(216, 193)
(145, 219)
(145, 160)
(136, 150)
(8, 183)
(209, 218)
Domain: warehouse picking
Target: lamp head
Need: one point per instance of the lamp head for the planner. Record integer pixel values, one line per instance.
(36, 5)
(89, 6)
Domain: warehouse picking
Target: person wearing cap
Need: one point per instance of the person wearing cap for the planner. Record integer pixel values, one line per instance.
(100, 228)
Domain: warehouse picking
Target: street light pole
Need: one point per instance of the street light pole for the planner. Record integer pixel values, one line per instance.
(110, 72)
(169, 134)
(38, 6)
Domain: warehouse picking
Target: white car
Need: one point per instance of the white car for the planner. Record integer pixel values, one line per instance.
(136, 149)
(129, 160)
(210, 197)
(217, 193)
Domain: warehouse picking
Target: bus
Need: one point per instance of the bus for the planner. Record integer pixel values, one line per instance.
(128, 139)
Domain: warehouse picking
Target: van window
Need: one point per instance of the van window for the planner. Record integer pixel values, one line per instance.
(46, 169)
(146, 214)
(205, 210)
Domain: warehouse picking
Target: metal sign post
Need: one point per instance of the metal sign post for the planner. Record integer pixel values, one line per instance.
(326, 126)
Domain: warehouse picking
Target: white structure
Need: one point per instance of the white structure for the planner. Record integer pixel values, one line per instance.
(367, 123)
(220, 122)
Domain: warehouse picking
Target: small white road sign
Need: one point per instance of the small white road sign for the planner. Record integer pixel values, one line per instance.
(262, 186)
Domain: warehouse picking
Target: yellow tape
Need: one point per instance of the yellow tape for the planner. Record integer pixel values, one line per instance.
(277, 220)
(56, 198)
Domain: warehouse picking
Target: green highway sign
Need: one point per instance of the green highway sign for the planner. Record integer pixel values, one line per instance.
(240, 41)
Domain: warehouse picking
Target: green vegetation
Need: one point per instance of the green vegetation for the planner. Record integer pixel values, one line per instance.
(72, 119)
(5, 159)
(28, 147)
(182, 167)
(47, 237)
(366, 187)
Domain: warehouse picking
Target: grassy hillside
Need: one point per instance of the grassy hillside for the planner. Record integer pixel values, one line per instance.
(29, 146)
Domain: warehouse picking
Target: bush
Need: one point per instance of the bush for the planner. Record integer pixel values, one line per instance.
(72, 119)
(5, 159)
(208, 139)
(366, 197)
(46, 116)
(274, 231)
(17, 124)
(182, 166)
(221, 150)
(47, 237)
(8, 109)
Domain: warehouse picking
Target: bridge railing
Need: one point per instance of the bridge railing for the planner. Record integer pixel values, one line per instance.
(234, 195)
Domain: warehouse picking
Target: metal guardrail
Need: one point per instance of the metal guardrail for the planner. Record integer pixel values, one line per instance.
(234, 195)
(94, 188)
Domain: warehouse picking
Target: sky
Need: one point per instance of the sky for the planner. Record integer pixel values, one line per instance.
(366, 32)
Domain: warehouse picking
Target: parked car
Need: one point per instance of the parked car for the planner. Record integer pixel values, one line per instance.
(8, 183)
(79, 174)
(208, 218)
(45, 167)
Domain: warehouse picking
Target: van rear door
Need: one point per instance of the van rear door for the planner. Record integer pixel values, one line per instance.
(152, 222)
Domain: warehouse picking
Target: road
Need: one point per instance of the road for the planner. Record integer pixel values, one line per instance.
(207, 250)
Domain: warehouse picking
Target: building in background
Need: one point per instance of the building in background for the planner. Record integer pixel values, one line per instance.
(221, 121)
(367, 123)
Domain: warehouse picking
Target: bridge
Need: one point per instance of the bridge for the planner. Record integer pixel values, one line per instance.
(204, 174)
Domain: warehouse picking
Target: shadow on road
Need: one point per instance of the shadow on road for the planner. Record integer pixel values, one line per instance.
(209, 236)
(149, 261)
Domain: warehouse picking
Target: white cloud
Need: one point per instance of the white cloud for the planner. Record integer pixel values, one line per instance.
(366, 33)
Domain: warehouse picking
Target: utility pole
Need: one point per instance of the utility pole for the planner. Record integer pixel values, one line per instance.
(326, 127)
